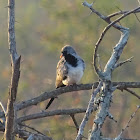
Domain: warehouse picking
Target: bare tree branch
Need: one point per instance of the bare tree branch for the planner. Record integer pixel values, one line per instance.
(51, 113)
(105, 85)
(107, 88)
(120, 13)
(54, 93)
(88, 112)
(99, 73)
(103, 112)
(127, 125)
(15, 62)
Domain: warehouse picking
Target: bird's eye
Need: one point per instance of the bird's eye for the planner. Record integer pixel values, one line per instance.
(64, 52)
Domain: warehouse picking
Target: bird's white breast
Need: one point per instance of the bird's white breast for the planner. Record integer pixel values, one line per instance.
(74, 75)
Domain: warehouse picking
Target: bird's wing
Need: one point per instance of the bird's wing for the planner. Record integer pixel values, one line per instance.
(61, 72)
(81, 61)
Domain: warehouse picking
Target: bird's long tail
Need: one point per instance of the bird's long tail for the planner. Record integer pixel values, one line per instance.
(50, 102)
(52, 99)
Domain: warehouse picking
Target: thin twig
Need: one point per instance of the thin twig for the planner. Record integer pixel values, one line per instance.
(2, 107)
(123, 62)
(32, 129)
(75, 122)
(127, 125)
(137, 17)
(118, 8)
(132, 92)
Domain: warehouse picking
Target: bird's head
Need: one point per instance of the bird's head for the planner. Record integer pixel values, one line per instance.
(67, 50)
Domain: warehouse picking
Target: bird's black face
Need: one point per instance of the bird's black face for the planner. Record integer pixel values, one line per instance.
(64, 53)
(68, 53)
(67, 50)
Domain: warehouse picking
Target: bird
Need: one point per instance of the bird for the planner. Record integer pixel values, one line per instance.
(70, 69)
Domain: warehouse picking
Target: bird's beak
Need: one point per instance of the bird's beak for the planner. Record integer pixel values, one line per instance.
(61, 55)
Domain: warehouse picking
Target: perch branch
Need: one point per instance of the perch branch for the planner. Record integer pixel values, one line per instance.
(47, 95)
(51, 113)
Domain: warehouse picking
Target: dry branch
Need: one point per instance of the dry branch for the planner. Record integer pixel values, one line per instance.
(106, 75)
(123, 62)
(15, 63)
(88, 112)
(51, 113)
(47, 95)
